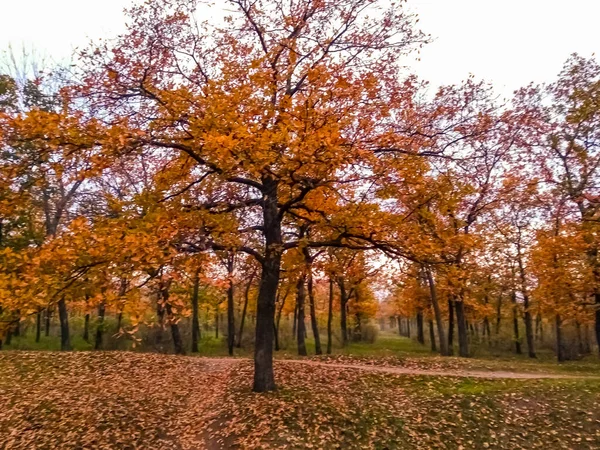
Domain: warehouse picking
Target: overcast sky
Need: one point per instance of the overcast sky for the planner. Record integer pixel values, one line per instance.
(509, 42)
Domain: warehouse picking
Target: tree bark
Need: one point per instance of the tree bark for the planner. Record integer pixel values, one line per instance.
(195, 314)
(461, 321)
(444, 349)
(86, 328)
(343, 318)
(100, 326)
(264, 379)
(420, 327)
(278, 319)
(432, 336)
(330, 318)
(65, 338)
(597, 321)
(300, 298)
(38, 326)
(230, 305)
(313, 315)
(175, 334)
(498, 314)
(48, 316)
(560, 350)
(243, 318)
(450, 326)
(516, 325)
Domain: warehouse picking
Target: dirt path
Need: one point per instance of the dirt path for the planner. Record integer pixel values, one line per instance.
(419, 372)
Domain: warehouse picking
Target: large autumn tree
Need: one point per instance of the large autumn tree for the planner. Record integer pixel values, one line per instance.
(265, 115)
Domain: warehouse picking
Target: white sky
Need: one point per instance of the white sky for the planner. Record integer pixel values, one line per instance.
(508, 42)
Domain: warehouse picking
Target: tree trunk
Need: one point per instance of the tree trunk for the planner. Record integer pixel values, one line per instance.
(230, 305)
(586, 342)
(65, 338)
(264, 379)
(597, 321)
(330, 317)
(461, 321)
(175, 334)
(420, 330)
(48, 316)
(86, 328)
(38, 326)
(529, 331)
(538, 327)
(278, 319)
(432, 336)
(343, 318)
(17, 331)
(399, 321)
(560, 350)
(8, 337)
(313, 315)
(498, 314)
(516, 325)
(300, 297)
(295, 323)
(444, 349)
(450, 326)
(580, 345)
(100, 326)
(119, 322)
(408, 327)
(195, 318)
(217, 322)
(487, 330)
(243, 319)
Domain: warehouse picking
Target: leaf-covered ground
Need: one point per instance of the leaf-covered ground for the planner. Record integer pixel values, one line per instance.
(149, 401)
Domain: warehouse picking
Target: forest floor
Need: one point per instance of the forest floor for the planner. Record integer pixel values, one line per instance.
(125, 400)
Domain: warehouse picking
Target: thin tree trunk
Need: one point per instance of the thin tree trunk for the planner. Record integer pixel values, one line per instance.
(580, 346)
(278, 319)
(529, 329)
(243, 319)
(100, 326)
(65, 338)
(432, 336)
(17, 331)
(195, 318)
(300, 297)
(587, 345)
(461, 321)
(408, 327)
(444, 349)
(597, 321)
(313, 315)
(516, 325)
(343, 318)
(38, 326)
(451, 326)
(420, 327)
(217, 322)
(560, 350)
(330, 318)
(175, 334)
(48, 316)
(498, 314)
(295, 323)
(86, 328)
(230, 306)
(8, 337)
